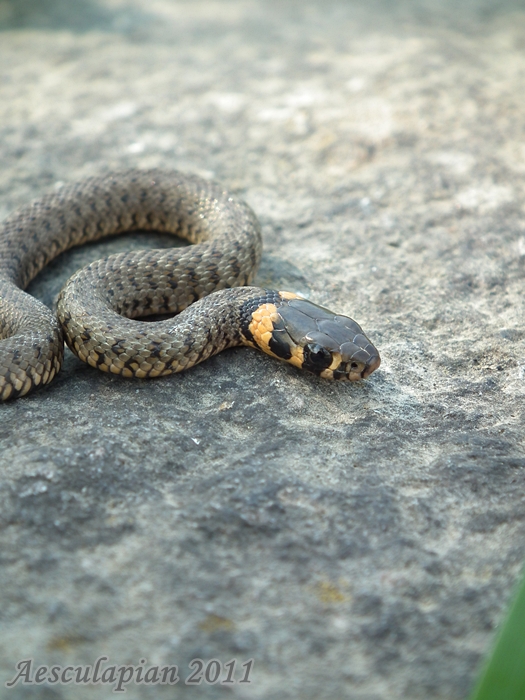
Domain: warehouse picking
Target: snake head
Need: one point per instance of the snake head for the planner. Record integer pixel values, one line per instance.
(313, 338)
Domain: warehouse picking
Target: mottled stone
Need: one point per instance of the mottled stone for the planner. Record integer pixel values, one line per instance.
(357, 541)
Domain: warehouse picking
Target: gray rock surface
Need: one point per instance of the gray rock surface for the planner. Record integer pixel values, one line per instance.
(356, 541)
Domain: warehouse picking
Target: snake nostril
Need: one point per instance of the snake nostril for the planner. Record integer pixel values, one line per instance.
(372, 364)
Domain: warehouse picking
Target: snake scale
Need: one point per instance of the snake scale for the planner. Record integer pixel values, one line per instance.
(204, 284)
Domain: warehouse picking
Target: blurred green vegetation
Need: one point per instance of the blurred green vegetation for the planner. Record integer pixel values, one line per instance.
(503, 677)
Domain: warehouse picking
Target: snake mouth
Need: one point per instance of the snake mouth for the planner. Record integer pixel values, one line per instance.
(371, 366)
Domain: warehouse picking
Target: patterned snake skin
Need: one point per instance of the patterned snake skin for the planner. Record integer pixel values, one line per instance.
(136, 284)
(202, 283)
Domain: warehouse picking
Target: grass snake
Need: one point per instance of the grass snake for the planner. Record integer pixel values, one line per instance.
(204, 284)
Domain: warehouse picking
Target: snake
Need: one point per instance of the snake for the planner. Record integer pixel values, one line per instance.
(205, 287)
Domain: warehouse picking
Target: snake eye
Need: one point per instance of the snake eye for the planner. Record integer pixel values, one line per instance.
(317, 357)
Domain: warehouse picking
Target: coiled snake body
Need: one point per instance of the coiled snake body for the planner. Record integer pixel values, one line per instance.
(203, 284)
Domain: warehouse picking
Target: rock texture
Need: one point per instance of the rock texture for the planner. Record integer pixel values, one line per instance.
(356, 541)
